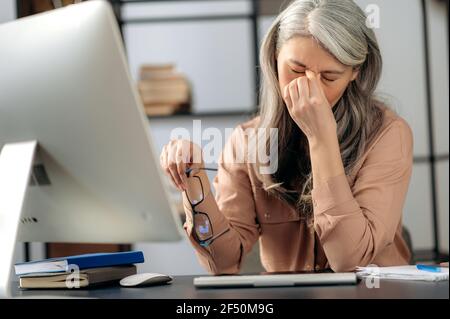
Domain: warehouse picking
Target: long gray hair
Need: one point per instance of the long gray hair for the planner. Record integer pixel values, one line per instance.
(339, 26)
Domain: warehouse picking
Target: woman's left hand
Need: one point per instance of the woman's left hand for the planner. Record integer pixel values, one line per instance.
(309, 107)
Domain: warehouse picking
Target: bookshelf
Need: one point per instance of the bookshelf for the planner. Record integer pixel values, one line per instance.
(252, 16)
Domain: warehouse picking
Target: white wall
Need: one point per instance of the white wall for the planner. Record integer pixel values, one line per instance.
(7, 10)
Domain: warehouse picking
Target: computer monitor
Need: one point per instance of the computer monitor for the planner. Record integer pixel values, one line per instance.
(70, 115)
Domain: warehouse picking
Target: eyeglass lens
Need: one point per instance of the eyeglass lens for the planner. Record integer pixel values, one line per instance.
(202, 226)
(194, 190)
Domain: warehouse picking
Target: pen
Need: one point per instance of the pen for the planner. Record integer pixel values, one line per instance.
(429, 268)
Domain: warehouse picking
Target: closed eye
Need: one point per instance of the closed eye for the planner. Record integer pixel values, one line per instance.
(329, 80)
(303, 72)
(297, 72)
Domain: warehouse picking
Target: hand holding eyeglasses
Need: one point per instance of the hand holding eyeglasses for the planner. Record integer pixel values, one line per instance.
(183, 163)
(178, 156)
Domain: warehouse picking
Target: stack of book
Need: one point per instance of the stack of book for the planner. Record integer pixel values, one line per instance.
(163, 90)
(78, 271)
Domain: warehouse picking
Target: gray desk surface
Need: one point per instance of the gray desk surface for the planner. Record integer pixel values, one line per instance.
(182, 288)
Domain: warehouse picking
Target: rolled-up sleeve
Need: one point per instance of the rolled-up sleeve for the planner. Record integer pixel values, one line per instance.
(232, 208)
(355, 223)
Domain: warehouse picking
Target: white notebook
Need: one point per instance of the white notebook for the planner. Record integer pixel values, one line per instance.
(409, 272)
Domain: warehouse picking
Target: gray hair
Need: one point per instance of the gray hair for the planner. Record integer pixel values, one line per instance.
(339, 26)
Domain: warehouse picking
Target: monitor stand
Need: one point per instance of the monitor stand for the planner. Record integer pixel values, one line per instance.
(16, 161)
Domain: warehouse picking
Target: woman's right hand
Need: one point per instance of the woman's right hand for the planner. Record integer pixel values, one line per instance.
(176, 157)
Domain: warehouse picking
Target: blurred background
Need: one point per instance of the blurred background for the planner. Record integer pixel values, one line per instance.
(198, 60)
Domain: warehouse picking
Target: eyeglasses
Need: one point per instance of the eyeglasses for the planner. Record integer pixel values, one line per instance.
(195, 194)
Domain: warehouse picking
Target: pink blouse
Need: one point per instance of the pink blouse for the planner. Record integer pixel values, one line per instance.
(357, 218)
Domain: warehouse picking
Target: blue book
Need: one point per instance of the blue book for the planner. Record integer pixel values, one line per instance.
(86, 261)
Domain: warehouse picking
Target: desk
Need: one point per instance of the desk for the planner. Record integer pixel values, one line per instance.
(183, 288)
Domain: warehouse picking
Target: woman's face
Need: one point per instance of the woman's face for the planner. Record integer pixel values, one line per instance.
(303, 53)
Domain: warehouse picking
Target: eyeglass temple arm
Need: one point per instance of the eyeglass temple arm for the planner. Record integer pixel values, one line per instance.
(207, 242)
(189, 170)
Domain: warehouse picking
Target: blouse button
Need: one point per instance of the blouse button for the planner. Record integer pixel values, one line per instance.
(317, 268)
(267, 215)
